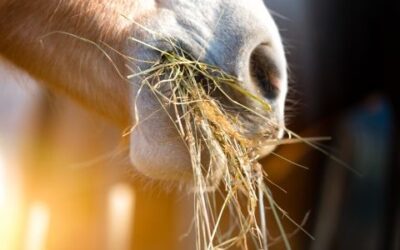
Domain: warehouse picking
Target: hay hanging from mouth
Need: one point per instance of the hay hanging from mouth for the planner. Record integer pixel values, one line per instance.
(224, 160)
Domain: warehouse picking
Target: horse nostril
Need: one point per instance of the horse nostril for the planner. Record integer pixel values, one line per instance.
(264, 72)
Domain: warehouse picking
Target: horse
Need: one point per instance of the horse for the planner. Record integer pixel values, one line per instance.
(73, 47)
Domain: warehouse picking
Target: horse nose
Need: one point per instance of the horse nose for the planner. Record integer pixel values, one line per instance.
(258, 62)
(264, 72)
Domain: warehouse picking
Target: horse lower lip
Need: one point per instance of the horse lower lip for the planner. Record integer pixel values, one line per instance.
(265, 150)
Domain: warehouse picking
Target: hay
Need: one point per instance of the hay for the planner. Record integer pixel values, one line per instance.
(191, 93)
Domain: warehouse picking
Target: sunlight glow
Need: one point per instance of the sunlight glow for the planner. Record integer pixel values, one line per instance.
(37, 226)
(10, 205)
(121, 200)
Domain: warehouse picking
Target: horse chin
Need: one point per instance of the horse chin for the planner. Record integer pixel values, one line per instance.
(160, 162)
(160, 154)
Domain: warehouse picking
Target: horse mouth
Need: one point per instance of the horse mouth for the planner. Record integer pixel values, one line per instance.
(190, 92)
(265, 135)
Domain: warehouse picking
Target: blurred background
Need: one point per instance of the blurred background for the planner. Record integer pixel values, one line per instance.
(65, 181)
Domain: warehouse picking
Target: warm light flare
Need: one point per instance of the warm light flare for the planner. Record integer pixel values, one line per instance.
(121, 200)
(10, 204)
(37, 226)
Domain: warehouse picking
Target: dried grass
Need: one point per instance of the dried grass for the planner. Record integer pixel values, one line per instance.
(211, 131)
